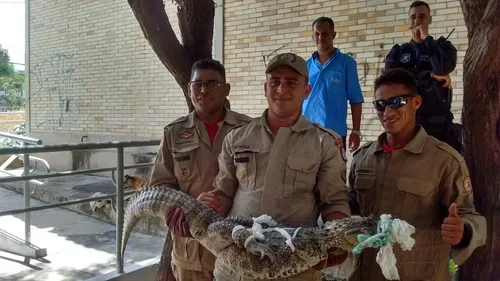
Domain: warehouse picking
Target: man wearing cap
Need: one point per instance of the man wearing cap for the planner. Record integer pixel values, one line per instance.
(282, 165)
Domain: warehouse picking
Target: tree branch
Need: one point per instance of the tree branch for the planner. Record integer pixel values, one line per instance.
(196, 24)
(158, 31)
(481, 19)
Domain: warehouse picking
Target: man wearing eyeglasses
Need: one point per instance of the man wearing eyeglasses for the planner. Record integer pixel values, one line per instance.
(282, 165)
(431, 61)
(187, 157)
(417, 178)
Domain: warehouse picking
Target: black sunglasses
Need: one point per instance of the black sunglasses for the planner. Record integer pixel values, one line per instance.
(209, 84)
(394, 102)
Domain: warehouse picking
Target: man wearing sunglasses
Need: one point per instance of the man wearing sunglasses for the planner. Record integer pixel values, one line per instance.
(187, 158)
(416, 178)
(430, 61)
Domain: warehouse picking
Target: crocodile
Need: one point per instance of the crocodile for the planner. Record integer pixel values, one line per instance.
(257, 248)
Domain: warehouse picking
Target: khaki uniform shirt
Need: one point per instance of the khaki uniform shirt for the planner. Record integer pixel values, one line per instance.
(292, 177)
(186, 157)
(417, 184)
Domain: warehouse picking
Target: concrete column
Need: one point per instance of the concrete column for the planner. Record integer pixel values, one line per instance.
(219, 31)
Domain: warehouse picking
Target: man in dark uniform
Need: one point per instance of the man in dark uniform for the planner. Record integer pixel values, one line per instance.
(430, 61)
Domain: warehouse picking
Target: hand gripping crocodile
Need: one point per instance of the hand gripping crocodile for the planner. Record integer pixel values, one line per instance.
(260, 248)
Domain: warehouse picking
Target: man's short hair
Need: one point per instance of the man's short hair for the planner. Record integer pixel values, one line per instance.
(321, 20)
(419, 4)
(209, 64)
(397, 76)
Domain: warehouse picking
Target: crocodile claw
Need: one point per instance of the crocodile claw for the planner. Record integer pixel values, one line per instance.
(259, 249)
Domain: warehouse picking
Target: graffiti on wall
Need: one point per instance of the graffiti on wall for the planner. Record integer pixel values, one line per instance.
(56, 87)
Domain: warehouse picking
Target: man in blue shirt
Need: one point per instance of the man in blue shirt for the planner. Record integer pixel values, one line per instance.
(334, 79)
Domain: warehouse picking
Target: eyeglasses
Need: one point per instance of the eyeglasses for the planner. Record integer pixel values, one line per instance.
(207, 84)
(394, 102)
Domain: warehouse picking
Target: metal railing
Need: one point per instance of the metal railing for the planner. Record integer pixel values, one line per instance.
(119, 190)
(26, 159)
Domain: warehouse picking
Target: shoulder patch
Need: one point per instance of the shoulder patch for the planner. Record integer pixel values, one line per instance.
(405, 58)
(467, 184)
(178, 120)
(446, 147)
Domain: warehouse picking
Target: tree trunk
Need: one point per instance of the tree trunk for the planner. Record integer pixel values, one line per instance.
(482, 130)
(196, 24)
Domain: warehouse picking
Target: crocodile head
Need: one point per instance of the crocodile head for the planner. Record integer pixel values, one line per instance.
(344, 233)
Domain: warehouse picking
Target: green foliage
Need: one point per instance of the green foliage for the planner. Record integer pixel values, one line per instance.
(11, 83)
(452, 267)
(6, 68)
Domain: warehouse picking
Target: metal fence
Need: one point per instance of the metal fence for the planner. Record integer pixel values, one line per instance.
(37, 147)
(4, 109)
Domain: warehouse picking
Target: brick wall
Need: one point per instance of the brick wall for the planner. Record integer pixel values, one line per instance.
(366, 28)
(94, 73)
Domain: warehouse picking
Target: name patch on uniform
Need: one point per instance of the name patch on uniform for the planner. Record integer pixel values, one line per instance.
(241, 160)
(185, 135)
(424, 57)
(241, 146)
(365, 171)
(181, 143)
(405, 58)
(467, 185)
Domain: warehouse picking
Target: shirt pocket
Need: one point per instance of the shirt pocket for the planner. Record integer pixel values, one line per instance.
(245, 162)
(337, 80)
(300, 176)
(416, 196)
(364, 186)
(185, 164)
(424, 262)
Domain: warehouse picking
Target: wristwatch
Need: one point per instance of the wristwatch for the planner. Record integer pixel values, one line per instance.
(357, 133)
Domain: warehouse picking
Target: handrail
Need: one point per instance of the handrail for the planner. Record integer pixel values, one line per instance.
(77, 146)
(21, 138)
(119, 190)
(72, 173)
(12, 212)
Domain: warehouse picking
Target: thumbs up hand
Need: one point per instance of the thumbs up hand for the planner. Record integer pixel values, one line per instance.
(452, 229)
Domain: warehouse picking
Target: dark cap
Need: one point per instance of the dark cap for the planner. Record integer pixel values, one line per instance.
(289, 59)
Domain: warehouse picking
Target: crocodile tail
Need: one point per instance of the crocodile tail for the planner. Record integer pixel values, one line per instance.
(153, 201)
